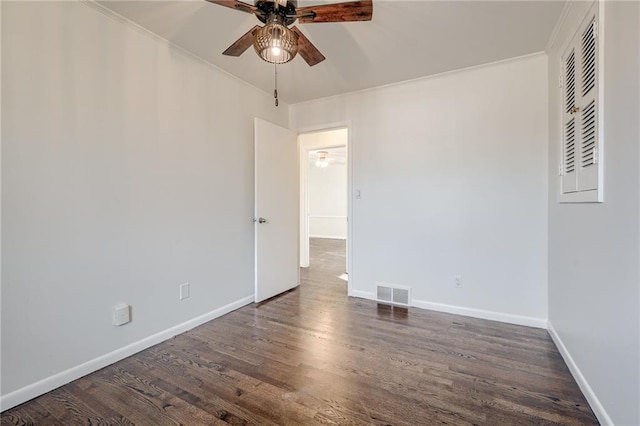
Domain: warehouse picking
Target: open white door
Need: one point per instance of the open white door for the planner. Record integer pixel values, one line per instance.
(276, 210)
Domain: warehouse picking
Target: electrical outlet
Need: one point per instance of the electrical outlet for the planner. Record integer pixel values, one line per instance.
(184, 291)
(457, 281)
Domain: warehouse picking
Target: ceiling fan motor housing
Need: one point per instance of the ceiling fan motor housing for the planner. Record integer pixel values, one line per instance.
(268, 8)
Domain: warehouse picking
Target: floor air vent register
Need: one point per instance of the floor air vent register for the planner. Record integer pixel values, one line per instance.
(393, 295)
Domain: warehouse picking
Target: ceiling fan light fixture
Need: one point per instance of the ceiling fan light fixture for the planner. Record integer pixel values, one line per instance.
(275, 43)
(322, 160)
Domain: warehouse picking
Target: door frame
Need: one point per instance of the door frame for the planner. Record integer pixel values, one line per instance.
(304, 192)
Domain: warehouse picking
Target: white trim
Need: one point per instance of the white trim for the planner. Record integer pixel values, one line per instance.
(318, 128)
(50, 383)
(315, 216)
(590, 196)
(304, 236)
(1, 204)
(468, 312)
(424, 78)
(126, 21)
(329, 237)
(588, 392)
(363, 295)
(602, 114)
(483, 314)
(350, 191)
(559, 25)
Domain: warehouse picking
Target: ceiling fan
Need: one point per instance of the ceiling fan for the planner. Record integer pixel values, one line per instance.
(275, 42)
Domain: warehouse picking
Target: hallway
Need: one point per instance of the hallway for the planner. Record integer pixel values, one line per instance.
(328, 261)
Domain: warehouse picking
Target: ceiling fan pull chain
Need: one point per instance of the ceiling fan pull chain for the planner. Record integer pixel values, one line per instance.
(275, 90)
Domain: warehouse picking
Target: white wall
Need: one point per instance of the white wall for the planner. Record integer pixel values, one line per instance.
(327, 200)
(453, 176)
(127, 169)
(594, 278)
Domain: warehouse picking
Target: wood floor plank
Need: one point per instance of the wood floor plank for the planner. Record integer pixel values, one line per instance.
(313, 356)
(67, 409)
(28, 415)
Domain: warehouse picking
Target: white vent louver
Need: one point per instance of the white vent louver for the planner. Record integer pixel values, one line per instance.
(589, 58)
(393, 294)
(569, 146)
(588, 135)
(570, 86)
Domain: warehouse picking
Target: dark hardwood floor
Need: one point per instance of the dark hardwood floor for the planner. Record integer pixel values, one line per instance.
(314, 356)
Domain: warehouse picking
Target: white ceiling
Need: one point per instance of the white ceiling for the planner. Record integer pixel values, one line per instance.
(405, 40)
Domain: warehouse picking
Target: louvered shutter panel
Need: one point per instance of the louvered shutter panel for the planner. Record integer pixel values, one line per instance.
(569, 182)
(569, 175)
(588, 108)
(580, 168)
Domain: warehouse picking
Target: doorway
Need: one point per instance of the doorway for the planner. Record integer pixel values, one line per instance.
(324, 192)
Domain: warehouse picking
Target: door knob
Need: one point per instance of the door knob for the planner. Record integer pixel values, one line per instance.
(262, 220)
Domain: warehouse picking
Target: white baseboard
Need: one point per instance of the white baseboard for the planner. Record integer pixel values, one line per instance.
(363, 294)
(593, 400)
(468, 312)
(483, 314)
(50, 383)
(328, 237)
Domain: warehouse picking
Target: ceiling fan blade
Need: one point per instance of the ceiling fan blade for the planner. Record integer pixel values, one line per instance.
(307, 50)
(242, 44)
(339, 12)
(235, 4)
